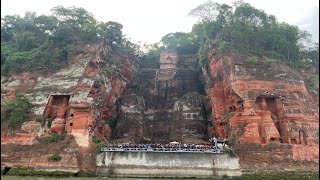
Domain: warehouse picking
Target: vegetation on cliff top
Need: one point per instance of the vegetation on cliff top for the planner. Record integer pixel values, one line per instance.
(14, 112)
(51, 139)
(43, 43)
(241, 28)
(55, 157)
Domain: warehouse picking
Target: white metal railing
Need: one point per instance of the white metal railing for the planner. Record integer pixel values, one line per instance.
(124, 149)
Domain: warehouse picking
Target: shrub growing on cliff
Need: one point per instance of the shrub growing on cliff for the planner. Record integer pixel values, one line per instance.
(112, 123)
(251, 60)
(49, 123)
(314, 81)
(27, 171)
(41, 120)
(96, 140)
(225, 47)
(14, 112)
(99, 146)
(55, 157)
(51, 139)
(238, 132)
(269, 62)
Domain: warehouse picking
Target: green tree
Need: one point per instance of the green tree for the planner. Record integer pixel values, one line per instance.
(246, 29)
(42, 43)
(113, 33)
(132, 48)
(153, 55)
(313, 54)
(47, 24)
(208, 11)
(74, 24)
(180, 41)
(14, 112)
(26, 41)
(16, 24)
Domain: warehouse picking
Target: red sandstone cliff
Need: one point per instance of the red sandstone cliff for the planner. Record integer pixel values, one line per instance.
(263, 104)
(77, 99)
(264, 110)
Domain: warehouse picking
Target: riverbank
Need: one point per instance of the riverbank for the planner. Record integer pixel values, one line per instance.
(279, 175)
(31, 172)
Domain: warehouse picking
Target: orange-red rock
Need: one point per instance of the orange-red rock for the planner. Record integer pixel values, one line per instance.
(261, 104)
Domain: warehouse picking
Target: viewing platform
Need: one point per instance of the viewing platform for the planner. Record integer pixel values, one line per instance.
(166, 150)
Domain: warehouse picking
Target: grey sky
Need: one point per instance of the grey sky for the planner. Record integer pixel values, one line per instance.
(149, 20)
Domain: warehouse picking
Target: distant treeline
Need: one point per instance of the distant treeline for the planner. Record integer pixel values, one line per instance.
(43, 43)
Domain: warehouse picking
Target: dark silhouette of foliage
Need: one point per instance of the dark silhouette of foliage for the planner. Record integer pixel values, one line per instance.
(42, 43)
(14, 112)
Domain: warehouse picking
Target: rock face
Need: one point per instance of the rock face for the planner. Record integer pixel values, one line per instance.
(164, 105)
(39, 155)
(261, 108)
(262, 103)
(77, 99)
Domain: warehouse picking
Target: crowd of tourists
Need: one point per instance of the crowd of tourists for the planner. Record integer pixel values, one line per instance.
(174, 146)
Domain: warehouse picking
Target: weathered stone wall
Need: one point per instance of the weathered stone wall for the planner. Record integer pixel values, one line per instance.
(167, 164)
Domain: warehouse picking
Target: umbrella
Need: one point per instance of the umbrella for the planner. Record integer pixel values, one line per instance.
(174, 142)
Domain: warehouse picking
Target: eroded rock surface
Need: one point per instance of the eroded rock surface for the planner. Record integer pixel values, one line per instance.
(263, 103)
(164, 104)
(79, 98)
(264, 110)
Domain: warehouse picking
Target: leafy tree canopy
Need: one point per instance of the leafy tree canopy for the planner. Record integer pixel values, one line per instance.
(241, 27)
(14, 112)
(182, 42)
(42, 43)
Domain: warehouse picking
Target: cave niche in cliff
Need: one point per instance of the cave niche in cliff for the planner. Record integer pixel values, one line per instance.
(302, 137)
(56, 110)
(272, 104)
(56, 106)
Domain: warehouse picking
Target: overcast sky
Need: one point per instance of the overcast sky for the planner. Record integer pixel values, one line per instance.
(149, 20)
